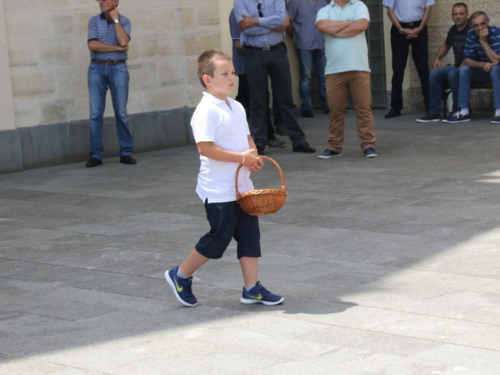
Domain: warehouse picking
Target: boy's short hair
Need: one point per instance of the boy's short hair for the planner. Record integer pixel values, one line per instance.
(206, 62)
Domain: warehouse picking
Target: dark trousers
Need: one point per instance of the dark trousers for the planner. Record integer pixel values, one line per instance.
(243, 98)
(420, 54)
(259, 65)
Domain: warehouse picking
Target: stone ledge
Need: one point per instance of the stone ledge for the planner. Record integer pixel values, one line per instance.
(48, 145)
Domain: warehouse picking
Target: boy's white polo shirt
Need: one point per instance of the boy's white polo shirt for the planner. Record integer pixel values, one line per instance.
(213, 121)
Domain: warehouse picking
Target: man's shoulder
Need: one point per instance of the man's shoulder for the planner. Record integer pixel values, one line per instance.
(359, 4)
(123, 18)
(95, 18)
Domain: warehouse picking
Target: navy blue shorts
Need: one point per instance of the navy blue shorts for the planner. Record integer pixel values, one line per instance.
(227, 220)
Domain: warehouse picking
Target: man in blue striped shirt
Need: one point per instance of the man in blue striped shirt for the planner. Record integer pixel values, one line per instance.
(108, 37)
(482, 59)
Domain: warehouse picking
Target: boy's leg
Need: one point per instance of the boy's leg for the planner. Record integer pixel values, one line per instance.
(247, 234)
(193, 261)
(250, 270)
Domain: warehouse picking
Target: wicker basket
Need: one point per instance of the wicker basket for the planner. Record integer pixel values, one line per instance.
(262, 202)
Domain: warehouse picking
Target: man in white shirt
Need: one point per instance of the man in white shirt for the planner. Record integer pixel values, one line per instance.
(409, 28)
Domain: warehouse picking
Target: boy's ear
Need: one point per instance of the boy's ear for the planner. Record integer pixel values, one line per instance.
(206, 79)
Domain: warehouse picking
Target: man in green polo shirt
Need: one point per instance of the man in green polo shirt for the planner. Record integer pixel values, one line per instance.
(347, 71)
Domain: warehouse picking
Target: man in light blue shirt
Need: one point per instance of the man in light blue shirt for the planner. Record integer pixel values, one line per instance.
(310, 47)
(347, 71)
(262, 24)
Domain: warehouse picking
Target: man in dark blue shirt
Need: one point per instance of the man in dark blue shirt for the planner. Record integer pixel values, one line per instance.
(108, 37)
(481, 65)
(448, 74)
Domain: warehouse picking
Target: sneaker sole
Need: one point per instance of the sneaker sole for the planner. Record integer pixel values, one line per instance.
(170, 282)
(458, 121)
(494, 122)
(371, 156)
(435, 120)
(328, 157)
(246, 301)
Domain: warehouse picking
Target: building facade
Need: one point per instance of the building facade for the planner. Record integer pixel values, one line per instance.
(43, 73)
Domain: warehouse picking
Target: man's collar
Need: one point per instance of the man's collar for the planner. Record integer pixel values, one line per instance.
(349, 2)
(103, 17)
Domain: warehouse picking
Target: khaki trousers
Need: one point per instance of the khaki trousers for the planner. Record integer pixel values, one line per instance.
(337, 87)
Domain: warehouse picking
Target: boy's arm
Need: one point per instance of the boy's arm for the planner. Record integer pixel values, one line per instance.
(212, 151)
(257, 166)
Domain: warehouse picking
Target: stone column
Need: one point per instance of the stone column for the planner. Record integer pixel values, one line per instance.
(6, 100)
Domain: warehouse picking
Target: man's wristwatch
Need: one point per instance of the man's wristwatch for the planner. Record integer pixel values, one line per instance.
(116, 21)
(400, 30)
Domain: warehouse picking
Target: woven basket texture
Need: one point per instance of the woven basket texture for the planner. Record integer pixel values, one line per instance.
(263, 201)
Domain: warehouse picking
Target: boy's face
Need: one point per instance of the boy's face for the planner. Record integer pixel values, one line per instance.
(222, 83)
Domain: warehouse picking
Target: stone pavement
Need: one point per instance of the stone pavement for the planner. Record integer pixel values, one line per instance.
(388, 265)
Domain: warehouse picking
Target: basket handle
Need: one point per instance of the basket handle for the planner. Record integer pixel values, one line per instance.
(283, 183)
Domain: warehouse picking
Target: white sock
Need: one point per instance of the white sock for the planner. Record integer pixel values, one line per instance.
(464, 111)
(497, 113)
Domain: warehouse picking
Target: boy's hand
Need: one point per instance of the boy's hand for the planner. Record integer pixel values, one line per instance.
(257, 166)
(251, 157)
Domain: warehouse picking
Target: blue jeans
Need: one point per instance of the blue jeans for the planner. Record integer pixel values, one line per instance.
(438, 77)
(116, 77)
(306, 59)
(468, 75)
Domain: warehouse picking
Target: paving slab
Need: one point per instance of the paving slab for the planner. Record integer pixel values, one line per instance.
(388, 265)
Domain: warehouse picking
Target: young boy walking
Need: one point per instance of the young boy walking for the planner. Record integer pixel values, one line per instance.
(223, 138)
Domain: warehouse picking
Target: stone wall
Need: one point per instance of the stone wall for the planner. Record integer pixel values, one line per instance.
(44, 60)
(439, 24)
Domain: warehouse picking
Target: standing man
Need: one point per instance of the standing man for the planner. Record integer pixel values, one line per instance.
(243, 96)
(310, 47)
(448, 74)
(481, 65)
(409, 28)
(262, 24)
(344, 23)
(108, 37)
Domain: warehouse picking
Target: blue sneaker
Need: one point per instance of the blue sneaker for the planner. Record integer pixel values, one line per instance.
(327, 154)
(181, 287)
(457, 117)
(370, 152)
(259, 294)
(495, 119)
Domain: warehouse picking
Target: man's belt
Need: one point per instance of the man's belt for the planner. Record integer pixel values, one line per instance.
(108, 62)
(410, 25)
(266, 48)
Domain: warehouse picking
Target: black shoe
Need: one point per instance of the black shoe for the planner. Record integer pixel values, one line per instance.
(307, 113)
(127, 159)
(326, 110)
(275, 142)
(93, 162)
(260, 149)
(304, 147)
(393, 113)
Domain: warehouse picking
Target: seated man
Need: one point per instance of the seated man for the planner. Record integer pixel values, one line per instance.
(482, 56)
(448, 74)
